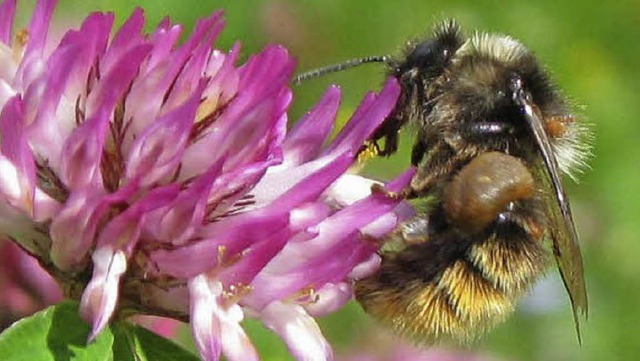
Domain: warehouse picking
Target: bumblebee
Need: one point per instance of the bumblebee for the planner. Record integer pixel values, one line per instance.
(493, 136)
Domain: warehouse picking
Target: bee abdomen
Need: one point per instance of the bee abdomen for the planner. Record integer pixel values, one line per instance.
(436, 291)
(511, 258)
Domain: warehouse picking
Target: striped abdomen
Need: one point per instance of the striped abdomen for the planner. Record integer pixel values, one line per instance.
(483, 251)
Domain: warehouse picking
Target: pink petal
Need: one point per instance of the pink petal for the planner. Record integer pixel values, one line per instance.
(364, 122)
(128, 36)
(157, 152)
(43, 98)
(236, 127)
(117, 80)
(164, 39)
(202, 255)
(90, 41)
(366, 268)
(80, 164)
(254, 259)
(39, 25)
(123, 231)
(298, 330)
(308, 135)
(330, 298)
(348, 189)
(254, 116)
(267, 72)
(82, 153)
(7, 13)
(177, 223)
(73, 229)
(198, 48)
(38, 29)
(101, 294)
(215, 325)
(224, 76)
(205, 327)
(274, 184)
(14, 146)
(308, 215)
(233, 186)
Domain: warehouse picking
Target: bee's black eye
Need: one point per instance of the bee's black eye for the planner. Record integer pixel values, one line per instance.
(428, 57)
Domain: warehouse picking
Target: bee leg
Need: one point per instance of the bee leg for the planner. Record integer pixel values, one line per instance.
(484, 189)
(403, 194)
(389, 131)
(418, 151)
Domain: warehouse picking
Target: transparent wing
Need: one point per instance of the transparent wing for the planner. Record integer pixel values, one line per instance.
(566, 251)
(566, 247)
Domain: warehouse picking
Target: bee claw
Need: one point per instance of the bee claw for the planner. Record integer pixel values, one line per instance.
(376, 242)
(379, 189)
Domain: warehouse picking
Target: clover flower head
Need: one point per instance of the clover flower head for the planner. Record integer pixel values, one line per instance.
(159, 177)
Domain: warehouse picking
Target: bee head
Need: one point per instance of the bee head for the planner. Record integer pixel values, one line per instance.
(425, 60)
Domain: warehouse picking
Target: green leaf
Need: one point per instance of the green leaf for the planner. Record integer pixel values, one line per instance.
(152, 347)
(58, 333)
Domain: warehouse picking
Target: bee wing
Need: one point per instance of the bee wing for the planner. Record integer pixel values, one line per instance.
(566, 248)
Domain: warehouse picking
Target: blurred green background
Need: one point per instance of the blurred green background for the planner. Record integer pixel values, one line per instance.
(592, 50)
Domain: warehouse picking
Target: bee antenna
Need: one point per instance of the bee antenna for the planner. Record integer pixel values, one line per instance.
(316, 73)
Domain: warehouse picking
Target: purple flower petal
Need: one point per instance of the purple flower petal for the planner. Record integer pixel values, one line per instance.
(364, 123)
(16, 150)
(123, 231)
(80, 165)
(204, 325)
(73, 229)
(298, 330)
(128, 37)
(216, 325)
(7, 12)
(330, 298)
(178, 222)
(305, 140)
(157, 152)
(277, 183)
(198, 48)
(204, 254)
(101, 295)
(366, 268)
(38, 30)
